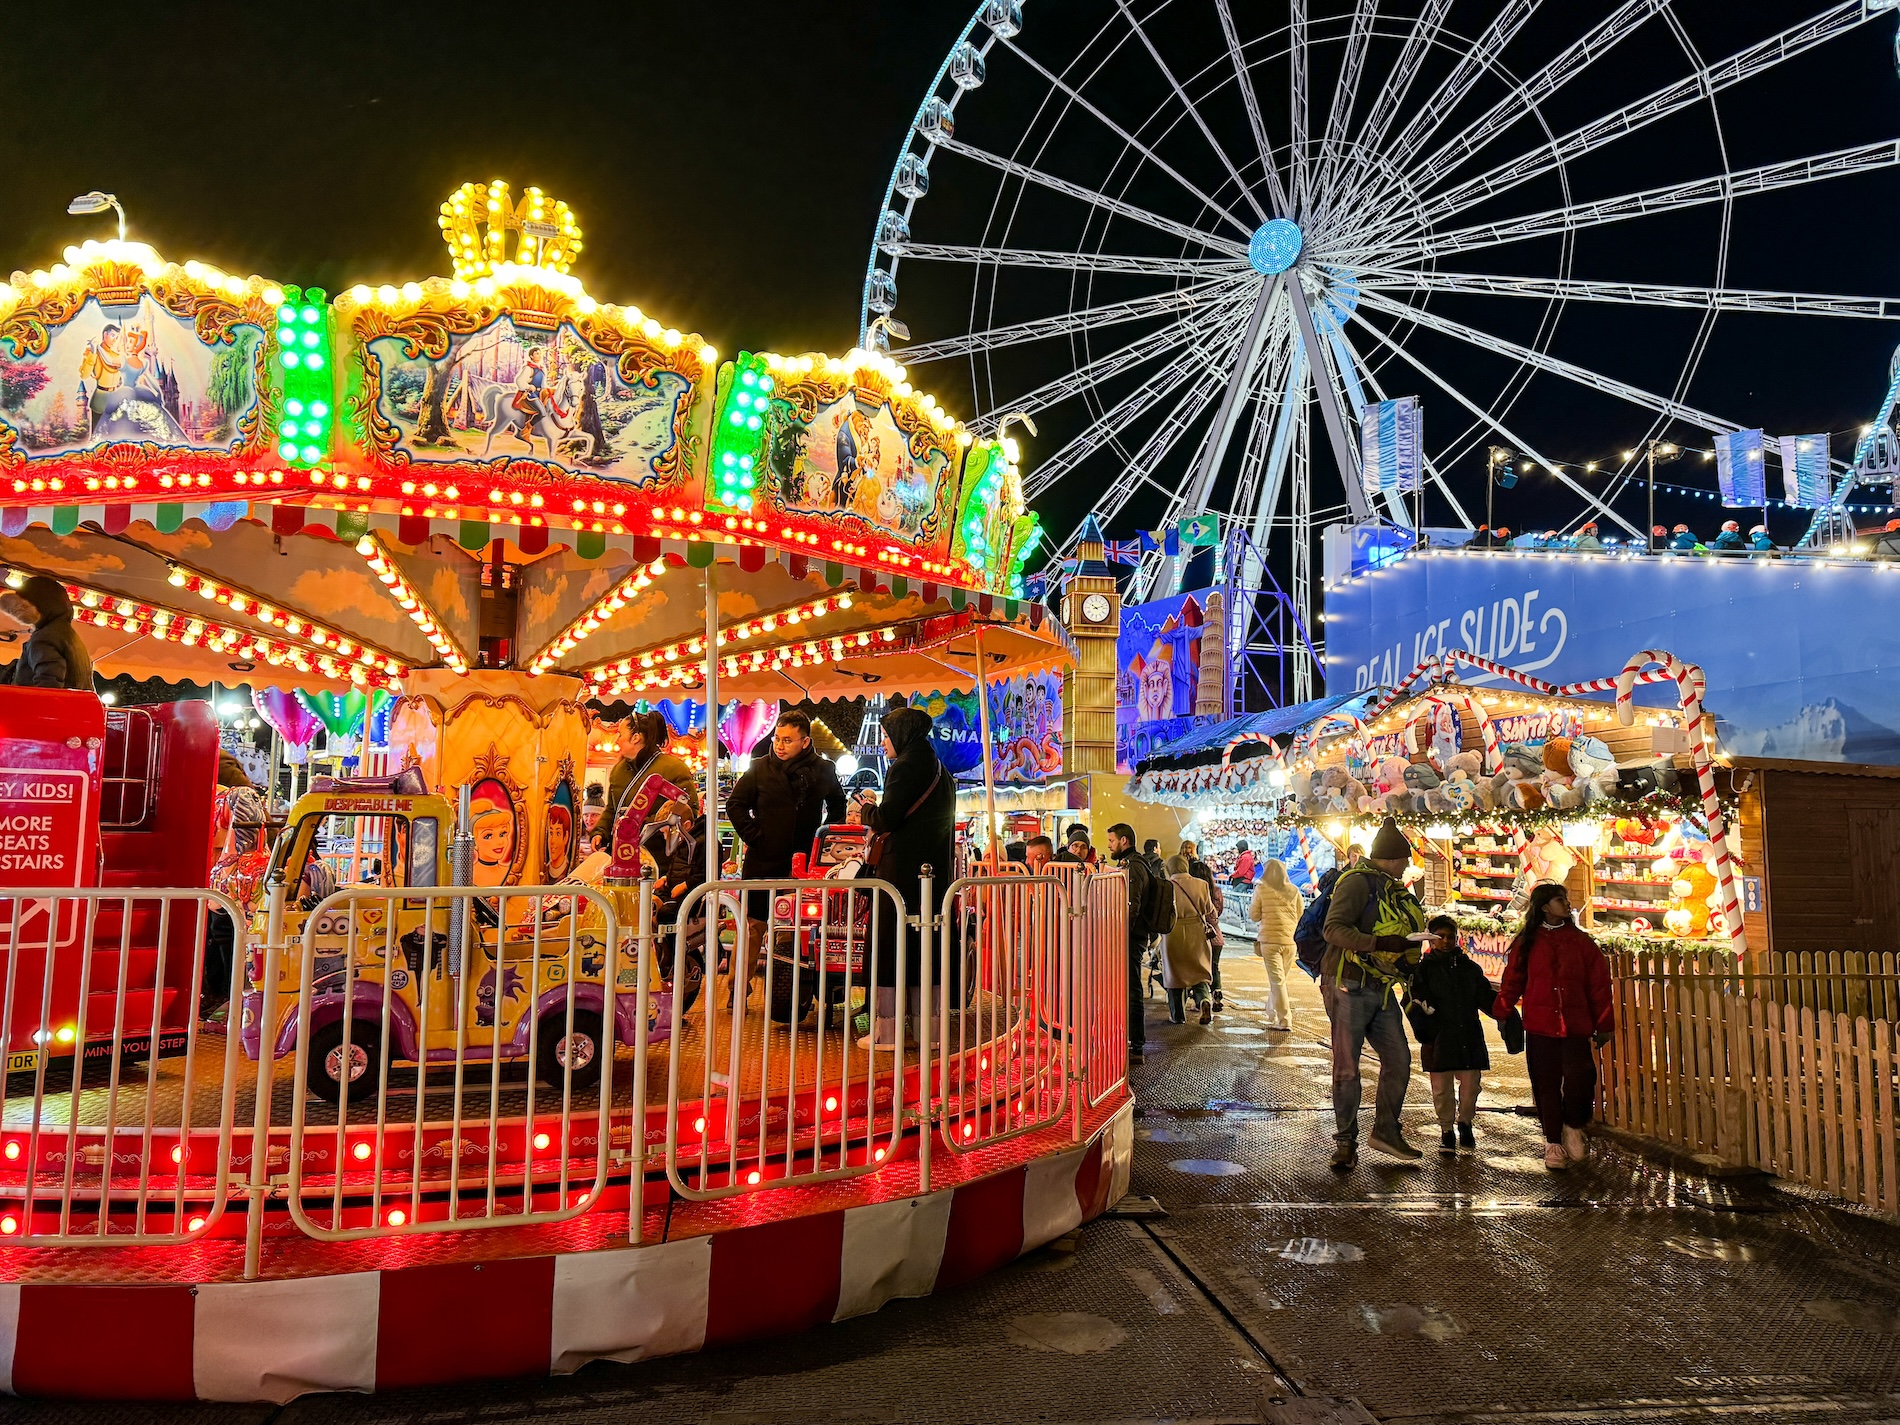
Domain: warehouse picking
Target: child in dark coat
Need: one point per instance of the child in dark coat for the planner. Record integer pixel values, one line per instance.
(1449, 992)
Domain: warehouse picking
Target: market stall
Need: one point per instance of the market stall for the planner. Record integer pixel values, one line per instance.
(1501, 781)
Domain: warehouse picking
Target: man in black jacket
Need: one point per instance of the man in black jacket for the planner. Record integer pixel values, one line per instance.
(53, 656)
(1121, 849)
(776, 808)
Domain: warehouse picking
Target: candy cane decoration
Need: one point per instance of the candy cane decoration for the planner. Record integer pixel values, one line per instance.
(1306, 855)
(1273, 750)
(1689, 685)
(1306, 741)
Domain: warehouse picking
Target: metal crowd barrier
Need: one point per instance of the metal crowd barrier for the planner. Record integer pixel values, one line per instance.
(99, 1107)
(462, 1064)
(1006, 987)
(444, 1059)
(770, 1100)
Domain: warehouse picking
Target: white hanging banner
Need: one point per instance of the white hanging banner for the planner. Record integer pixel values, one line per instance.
(1392, 446)
(1806, 481)
(1738, 469)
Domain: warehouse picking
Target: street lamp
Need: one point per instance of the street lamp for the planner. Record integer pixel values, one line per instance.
(97, 202)
(1668, 452)
(1494, 477)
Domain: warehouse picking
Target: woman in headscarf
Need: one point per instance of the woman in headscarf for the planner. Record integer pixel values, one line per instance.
(1187, 957)
(918, 813)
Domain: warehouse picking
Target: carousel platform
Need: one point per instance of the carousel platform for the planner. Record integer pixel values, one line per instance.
(390, 1312)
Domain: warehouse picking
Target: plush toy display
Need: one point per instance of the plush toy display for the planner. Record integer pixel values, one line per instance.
(1692, 910)
(1546, 858)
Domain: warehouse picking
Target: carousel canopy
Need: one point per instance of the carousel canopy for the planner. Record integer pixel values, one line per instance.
(236, 476)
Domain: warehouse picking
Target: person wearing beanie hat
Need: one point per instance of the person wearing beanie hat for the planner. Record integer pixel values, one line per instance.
(1368, 958)
(1730, 537)
(53, 656)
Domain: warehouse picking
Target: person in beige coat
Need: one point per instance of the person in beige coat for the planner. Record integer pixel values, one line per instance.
(1276, 909)
(1187, 953)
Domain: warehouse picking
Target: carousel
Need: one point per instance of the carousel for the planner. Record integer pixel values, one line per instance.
(492, 505)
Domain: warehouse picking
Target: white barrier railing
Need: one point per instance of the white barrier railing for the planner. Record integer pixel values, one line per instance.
(1006, 1005)
(438, 1086)
(399, 1000)
(755, 1098)
(100, 1107)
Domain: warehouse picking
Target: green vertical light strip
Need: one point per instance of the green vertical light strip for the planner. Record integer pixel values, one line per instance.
(739, 435)
(303, 361)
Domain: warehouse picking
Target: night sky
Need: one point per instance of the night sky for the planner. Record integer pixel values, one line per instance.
(727, 161)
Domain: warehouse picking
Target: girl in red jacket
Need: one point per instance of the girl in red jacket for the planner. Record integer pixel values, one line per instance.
(1563, 982)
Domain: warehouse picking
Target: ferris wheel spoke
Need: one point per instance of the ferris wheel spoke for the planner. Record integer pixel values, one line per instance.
(1528, 356)
(1084, 194)
(1471, 67)
(1637, 294)
(1066, 324)
(1247, 80)
(1346, 90)
(1672, 98)
(1273, 177)
(1057, 82)
(1198, 267)
(1190, 330)
(1495, 423)
(1398, 84)
(1842, 163)
(1139, 471)
(1579, 56)
(1299, 100)
(1104, 429)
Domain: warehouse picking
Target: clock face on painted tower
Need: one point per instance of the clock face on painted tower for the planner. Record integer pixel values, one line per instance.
(1095, 608)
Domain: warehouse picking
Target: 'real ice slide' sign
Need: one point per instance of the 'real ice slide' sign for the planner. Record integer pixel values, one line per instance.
(1802, 656)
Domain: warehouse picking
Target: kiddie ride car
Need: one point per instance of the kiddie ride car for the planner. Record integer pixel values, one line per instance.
(481, 1000)
(825, 927)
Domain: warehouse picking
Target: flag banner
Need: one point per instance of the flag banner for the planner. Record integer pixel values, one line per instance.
(1122, 551)
(1807, 482)
(1200, 531)
(1392, 452)
(1168, 541)
(1149, 544)
(1739, 469)
(1035, 586)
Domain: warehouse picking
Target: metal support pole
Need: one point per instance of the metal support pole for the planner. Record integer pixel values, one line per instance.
(1226, 417)
(712, 756)
(257, 1182)
(1649, 530)
(992, 850)
(926, 1119)
(637, 1133)
(1343, 452)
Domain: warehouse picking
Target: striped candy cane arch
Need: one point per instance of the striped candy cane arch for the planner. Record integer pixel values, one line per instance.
(1273, 748)
(1690, 683)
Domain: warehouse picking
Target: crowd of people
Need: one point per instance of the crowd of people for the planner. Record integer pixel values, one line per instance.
(1388, 974)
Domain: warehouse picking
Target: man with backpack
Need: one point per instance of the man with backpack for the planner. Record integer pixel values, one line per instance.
(1147, 897)
(1366, 916)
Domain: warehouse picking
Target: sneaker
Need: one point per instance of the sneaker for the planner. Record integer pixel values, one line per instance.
(1393, 1145)
(1555, 1158)
(1576, 1145)
(1448, 1143)
(1281, 1028)
(1207, 1012)
(1466, 1139)
(1345, 1157)
(1176, 1018)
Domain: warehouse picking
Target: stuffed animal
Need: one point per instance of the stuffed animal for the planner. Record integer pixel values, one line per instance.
(1390, 775)
(1419, 777)
(1546, 858)
(1459, 794)
(1560, 791)
(1589, 757)
(1469, 765)
(1690, 910)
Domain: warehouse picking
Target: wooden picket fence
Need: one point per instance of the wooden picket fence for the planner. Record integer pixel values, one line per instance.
(1723, 1064)
(1858, 985)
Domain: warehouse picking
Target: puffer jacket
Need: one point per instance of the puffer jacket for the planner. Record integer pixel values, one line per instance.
(1277, 907)
(53, 655)
(1562, 981)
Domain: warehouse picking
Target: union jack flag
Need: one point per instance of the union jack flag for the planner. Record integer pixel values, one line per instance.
(1122, 551)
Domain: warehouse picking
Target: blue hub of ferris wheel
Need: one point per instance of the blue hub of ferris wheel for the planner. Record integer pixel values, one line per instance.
(1275, 247)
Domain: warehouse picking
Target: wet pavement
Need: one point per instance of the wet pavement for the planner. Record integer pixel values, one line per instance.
(1260, 1287)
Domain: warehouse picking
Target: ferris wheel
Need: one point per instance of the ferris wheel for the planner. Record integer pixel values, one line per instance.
(1195, 239)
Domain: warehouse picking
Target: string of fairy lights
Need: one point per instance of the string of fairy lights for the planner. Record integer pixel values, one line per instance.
(1630, 461)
